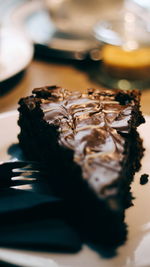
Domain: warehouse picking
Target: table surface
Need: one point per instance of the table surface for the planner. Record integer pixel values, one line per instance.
(41, 73)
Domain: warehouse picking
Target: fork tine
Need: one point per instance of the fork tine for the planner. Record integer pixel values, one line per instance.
(28, 177)
(22, 186)
(27, 173)
(21, 164)
(23, 170)
(20, 178)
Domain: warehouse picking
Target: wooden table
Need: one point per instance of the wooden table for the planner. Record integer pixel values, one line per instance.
(66, 75)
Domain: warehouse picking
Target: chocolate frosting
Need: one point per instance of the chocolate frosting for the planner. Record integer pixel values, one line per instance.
(90, 124)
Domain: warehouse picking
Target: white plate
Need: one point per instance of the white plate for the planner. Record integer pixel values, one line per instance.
(16, 52)
(134, 253)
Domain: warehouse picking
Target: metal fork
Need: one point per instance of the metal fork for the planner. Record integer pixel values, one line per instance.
(19, 173)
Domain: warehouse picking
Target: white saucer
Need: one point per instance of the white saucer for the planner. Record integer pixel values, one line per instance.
(16, 52)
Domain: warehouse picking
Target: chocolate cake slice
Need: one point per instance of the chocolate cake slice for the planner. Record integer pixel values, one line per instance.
(91, 149)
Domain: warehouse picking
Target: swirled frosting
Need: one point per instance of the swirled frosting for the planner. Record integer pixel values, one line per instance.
(90, 124)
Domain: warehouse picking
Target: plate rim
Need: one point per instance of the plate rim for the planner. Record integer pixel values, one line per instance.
(12, 30)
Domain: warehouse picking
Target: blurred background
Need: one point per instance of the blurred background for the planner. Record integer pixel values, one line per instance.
(73, 43)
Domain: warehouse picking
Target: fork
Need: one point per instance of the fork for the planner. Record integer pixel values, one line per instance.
(15, 173)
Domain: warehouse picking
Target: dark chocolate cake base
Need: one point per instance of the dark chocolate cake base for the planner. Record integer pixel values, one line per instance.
(99, 219)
